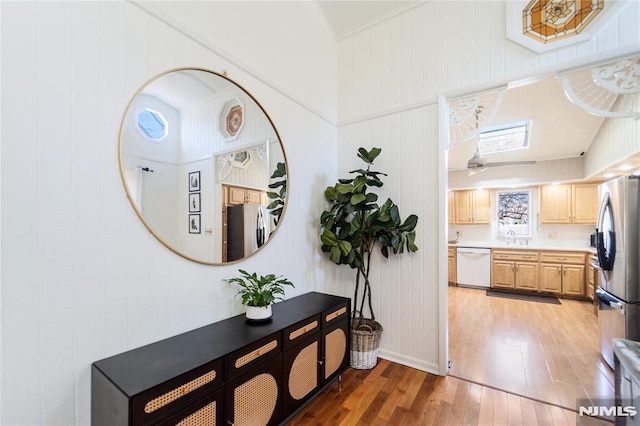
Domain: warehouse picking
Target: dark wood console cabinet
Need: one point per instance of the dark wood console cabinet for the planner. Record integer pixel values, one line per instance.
(228, 372)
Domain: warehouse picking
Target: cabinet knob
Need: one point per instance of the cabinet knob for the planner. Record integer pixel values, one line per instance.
(320, 362)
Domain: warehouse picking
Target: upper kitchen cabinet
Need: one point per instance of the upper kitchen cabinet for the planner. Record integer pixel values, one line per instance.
(472, 207)
(570, 203)
(451, 209)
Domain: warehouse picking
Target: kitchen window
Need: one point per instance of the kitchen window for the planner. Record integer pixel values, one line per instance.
(513, 208)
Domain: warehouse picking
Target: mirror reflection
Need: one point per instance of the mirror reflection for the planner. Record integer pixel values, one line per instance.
(203, 166)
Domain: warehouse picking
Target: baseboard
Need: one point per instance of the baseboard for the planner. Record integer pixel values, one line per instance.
(416, 363)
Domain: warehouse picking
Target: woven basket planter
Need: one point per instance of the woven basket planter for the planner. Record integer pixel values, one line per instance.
(365, 341)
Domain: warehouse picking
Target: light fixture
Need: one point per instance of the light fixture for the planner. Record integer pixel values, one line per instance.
(636, 173)
(608, 175)
(626, 167)
(555, 183)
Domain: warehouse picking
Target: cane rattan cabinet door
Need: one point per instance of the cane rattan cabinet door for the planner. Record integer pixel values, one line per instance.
(335, 342)
(256, 398)
(335, 350)
(301, 372)
(206, 411)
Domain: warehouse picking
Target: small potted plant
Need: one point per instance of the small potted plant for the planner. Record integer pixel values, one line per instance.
(259, 293)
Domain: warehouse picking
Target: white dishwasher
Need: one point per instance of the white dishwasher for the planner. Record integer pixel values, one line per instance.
(473, 266)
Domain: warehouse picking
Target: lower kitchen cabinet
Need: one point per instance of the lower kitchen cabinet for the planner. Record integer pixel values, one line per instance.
(228, 372)
(451, 259)
(514, 269)
(563, 273)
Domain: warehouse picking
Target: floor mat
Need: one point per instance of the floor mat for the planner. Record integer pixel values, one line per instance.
(524, 296)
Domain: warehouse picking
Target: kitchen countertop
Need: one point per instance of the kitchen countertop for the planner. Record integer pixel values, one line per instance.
(531, 246)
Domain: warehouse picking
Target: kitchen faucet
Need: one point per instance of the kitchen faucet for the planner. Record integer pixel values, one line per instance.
(512, 233)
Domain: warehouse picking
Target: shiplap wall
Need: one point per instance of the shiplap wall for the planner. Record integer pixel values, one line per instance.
(618, 138)
(389, 79)
(82, 279)
(540, 172)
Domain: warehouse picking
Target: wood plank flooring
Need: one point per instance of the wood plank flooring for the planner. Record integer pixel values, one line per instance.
(509, 358)
(538, 350)
(392, 394)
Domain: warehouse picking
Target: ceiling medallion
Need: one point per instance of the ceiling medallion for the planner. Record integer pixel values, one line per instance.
(550, 20)
(543, 25)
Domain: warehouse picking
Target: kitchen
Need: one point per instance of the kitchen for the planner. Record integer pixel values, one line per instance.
(522, 221)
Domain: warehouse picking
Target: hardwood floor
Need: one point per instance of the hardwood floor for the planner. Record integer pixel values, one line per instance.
(538, 350)
(514, 363)
(392, 394)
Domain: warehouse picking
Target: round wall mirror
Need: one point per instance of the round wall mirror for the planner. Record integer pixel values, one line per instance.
(203, 166)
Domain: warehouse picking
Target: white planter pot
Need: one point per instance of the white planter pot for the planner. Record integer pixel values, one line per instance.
(258, 313)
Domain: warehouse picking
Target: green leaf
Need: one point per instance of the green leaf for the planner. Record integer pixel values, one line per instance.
(280, 171)
(372, 198)
(411, 237)
(331, 193)
(345, 247)
(409, 224)
(277, 184)
(395, 215)
(369, 156)
(328, 238)
(357, 198)
(335, 254)
(345, 188)
(274, 204)
(374, 153)
(273, 195)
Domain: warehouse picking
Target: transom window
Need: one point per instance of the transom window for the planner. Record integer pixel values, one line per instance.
(506, 137)
(152, 124)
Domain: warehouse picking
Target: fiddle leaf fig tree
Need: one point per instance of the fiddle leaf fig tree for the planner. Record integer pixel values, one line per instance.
(355, 224)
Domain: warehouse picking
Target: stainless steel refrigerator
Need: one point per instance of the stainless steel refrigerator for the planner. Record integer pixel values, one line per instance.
(617, 240)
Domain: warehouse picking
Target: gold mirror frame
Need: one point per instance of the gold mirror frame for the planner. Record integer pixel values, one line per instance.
(140, 158)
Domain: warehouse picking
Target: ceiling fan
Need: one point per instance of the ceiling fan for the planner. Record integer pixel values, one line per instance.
(477, 163)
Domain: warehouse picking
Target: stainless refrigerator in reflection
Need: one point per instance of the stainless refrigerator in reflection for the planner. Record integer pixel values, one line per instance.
(247, 230)
(617, 239)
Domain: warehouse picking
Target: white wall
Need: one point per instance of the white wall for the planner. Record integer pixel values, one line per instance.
(389, 79)
(82, 279)
(618, 138)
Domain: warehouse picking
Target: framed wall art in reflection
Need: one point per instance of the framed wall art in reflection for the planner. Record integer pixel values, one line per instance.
(194, 223)
(194, 202)
(194, 181)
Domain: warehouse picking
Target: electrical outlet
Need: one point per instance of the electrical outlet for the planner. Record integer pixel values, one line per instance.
(552, 235)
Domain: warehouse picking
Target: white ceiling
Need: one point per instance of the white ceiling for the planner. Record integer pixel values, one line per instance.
(346, 17)
(559, 129)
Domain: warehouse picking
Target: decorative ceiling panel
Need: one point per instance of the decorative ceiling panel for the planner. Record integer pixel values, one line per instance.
(543, 25)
